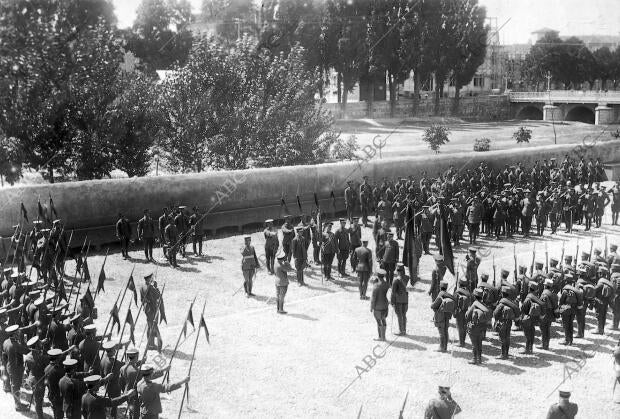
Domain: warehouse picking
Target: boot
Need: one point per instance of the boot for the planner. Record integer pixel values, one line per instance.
(383, 329)
(379, 333)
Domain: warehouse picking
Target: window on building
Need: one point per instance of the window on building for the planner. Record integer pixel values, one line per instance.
(478, 81)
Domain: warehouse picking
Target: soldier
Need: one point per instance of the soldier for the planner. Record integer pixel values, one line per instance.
(13, 352)
(471, 272)
(463, 301)
(355, 239)
(390, 257)
(197, 222)
(442, 407)
(146, 234)
(281, 273)
(615, 204)
(424, 221)
(171, 235)
(300, 254)
(605, 294)
(128, 379)
(570, 299)
(583, 286)
(181, 222)
(71, 389)
(123, 234)
(550, 304)
(249, 264)
(615, 279)
(564, 409)
(400, 300)
(271, 245)
(162, 223)
(349, 200)
(57, 330)
(444, 307)
(531, 311)
(328, 250)
(35, 363)
(54, 371)
(111, 366)
(504, 314)
(363, 266)
(288, 233)
(316, 237)
(379, 303)
(93, 405)
(474, 216)
(343, 245)
(437, 276)
(477, 318)
(365, 200)
(148, 392)
(613, 257)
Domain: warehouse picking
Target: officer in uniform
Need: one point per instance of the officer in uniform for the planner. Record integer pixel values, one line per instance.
(281, 273)
(442, 407)
(365, 200)
(436, 276)
(442, 317)
(89, 349)
(249, 264)
(123, 233)
(471, 271)
(615, 279)
(343, 244)
(171, 239)
(379, 303)
(530, 317)
(300, 254)
(111, 366)
(605, 294)
(504, 314)
(146, 234)
(355, 239)
(162, 223)
(288, 233)
(149, 391)
(477, 325)
(149, 297)
(363, 267)
(93, 405)
(72, 389)
(564, 409)
(182, 223)
(54, 371)
(196, 221)
(13, 352)
(35, 363)
(271, 245)
(400, 300)
(550, 304)
(349, 200)
(390, 257)
(570, 299)
(328, 250)
(463, 301)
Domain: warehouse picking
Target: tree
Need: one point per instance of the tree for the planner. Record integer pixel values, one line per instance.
(10, 160)
(604, 70)
(412, 46)
(55, 72)
(132, 123)
(522, 135)
(436, 136)
(233, 18)
(238, 108)
(160, 36)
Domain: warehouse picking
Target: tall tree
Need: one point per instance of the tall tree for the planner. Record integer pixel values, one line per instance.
(604, 70)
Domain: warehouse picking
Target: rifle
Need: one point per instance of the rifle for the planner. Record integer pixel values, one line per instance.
(577, 254)
(546, 259)
(514, 254)
(494, 270)
(533, 258)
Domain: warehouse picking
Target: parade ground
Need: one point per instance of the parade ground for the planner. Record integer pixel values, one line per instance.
(320, 359)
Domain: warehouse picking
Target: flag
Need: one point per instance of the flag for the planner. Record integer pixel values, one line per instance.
(446, 246)
(162, 312)
(299, 204)
(132, 287)
(115, 318)
(190, 318)
(101, 280)
(60, 290)
(184, 330)
(204, 324)
(409, 257)
(316, 201)
(53, 208)
(333, 197)
(42, 215)
(283, 205)
(88, 298)
(129, 319)
(24, 212)
(85, 271)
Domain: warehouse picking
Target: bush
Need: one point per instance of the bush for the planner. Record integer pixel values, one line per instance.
(345, 150)
(482, 144)
(616, 134)
(436, 136)
(522, 135)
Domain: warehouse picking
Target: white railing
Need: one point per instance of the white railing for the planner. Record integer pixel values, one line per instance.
(568, 96)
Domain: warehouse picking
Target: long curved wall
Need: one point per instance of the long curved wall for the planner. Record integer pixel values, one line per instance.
(238, 198)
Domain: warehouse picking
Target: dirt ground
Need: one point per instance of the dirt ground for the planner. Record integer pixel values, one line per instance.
(320, 360)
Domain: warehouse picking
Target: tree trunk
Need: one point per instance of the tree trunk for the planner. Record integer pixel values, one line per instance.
(437, 96)
(456, 101)
(50, 174)
(339, 87)
(416, 92)
(371, 95)
(392, 85)
(345, 97)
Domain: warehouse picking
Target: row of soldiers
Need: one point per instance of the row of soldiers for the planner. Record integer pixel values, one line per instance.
(45, 346)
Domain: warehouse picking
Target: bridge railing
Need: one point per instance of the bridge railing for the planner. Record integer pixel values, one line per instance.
(569, 96)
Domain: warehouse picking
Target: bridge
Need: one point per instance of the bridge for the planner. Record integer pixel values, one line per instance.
(594, 107)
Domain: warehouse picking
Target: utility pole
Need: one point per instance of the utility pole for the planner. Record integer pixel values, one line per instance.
(548, 81)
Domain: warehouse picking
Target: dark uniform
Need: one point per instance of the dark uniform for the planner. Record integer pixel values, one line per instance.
(171, 238)
(504, 314)
(477, 316)
(13, 360)
(196, 221)
(123, 233)
(329, 246)
(550, 301)
(149, 297)
(53, 373)
(182, 223)
(71, 389)
(441, 318)
(570, 299)
(379, 303)
(93, 405)
(463, 301)
(300, 254)
(605, 294)
(146, 233)
(400, 299)
(35, 363)
(363, 267)
(271, 245)
(341, 236)
(148, 394)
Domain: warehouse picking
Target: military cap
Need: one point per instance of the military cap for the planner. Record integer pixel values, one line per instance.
(462, 281)
(603, 269)
(60, 308)
(45, 230)
(12, 328)
(133, 351)
(569, 277)
(613, 247)
(287, 217)
(438, 257)
(34, 293)
(342, 220)
(443, 284)
(533, 285)
(281, 254)
(39, 301)
(37, 222)
(70, 362)
(425, 207)
(15, 275)
(582, 271)
(364, 241)
(269, 221)
(146, 369)
(504, 272)
(400, 267)
(597, 251)
(7, 271)
(539, 264)
(478, 292)
(548, 281)
(507, 185)
(54, 352)
(92, 380)
(247, 237)
(182, 207)
(148, 277)
(484, 277)
(615, 267)
(90, 328)
(471, 250)
(585, 255)
(109, 345)
(564, 391)
(381, 272)
(297, 230)
(553, 261)
(32, 341)
(356, 218)
(506, 289)
(390, 233)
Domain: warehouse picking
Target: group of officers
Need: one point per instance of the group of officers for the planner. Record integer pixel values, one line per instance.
(49, 344)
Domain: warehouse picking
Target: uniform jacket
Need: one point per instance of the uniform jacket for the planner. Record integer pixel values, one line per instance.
(378, 300)
(146, 228)
(363, 255)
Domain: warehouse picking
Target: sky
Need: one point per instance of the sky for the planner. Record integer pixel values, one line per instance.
(516, 18)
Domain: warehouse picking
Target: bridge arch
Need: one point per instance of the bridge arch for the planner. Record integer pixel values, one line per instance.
(530, 112)
(581, 114)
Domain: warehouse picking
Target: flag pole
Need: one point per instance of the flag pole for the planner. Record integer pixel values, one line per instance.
(77, 295)
(191, 363)
(176, 346)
